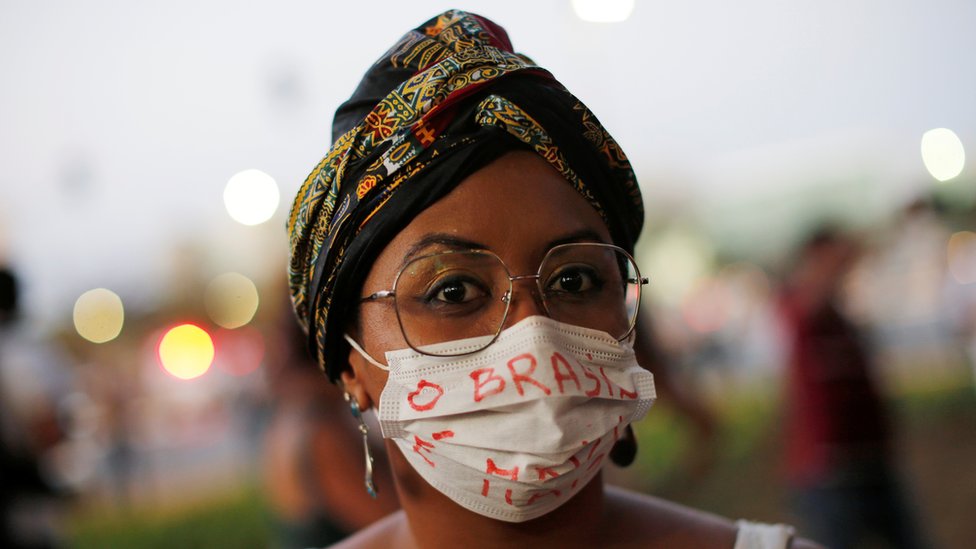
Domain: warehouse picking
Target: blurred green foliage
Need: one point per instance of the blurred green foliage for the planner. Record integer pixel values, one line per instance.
(238, 520)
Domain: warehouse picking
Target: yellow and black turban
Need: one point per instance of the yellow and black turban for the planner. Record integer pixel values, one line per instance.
(450, 97)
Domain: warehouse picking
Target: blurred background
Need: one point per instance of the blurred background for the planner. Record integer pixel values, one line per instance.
(150, 152)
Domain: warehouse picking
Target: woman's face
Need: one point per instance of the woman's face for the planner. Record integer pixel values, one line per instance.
(517, 207)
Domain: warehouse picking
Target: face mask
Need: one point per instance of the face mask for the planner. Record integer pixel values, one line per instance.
(515, 430)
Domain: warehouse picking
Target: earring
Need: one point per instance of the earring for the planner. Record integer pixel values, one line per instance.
(357, 413)
(625, 450)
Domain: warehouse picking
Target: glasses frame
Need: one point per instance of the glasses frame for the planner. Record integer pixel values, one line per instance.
(506, 298)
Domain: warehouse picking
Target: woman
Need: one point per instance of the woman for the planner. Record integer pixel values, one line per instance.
(460, 259)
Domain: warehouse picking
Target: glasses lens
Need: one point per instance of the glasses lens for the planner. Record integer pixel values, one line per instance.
(451, 295)
(591, 285)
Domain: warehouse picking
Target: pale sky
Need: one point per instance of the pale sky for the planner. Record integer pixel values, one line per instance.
(121, 122)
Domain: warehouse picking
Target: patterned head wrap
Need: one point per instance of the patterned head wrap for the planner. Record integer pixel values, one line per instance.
(446, 100)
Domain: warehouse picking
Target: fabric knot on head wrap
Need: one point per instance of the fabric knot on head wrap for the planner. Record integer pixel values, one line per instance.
(450, 97)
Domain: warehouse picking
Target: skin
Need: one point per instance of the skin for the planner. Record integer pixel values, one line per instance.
(516, 207)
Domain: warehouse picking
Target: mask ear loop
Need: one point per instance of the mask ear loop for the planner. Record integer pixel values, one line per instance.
(371, 360)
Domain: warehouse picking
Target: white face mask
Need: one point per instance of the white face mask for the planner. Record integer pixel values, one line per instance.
(515, 430)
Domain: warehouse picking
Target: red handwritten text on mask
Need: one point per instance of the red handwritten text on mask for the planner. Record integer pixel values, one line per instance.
(422, 387)
(493, 469)
(421, 446)
(565, 377)
(588, 458)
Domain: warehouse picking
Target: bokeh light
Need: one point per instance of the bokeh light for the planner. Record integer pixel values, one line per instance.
(603, 11)
(186, 351)
(251, 197)
(943, 154)
(239, 352)
(99, 315)
(231, 300)
(961, 257)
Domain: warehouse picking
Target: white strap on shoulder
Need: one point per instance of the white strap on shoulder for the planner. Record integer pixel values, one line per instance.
(755, 535)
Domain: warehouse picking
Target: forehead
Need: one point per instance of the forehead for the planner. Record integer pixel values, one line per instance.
(517, 207)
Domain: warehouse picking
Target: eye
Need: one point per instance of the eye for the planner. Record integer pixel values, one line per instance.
(574, 279)
(455, 291)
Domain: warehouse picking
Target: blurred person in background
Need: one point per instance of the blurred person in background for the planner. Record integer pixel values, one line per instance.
(687, 401)
(9, 296)
(313, 455)
(25, 490)
(909, 260)
(838, 451)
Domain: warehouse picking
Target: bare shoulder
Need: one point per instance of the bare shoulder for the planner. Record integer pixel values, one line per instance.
(654, 522)
(382, 534)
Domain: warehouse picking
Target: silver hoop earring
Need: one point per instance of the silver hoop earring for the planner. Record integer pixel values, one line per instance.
(357, 413)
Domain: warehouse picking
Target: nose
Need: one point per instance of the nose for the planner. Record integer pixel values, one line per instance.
(524, 301)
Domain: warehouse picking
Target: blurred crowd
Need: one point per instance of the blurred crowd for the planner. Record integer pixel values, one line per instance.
(846, 319)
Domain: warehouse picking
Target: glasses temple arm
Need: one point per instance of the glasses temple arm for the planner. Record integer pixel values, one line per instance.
(380, 295)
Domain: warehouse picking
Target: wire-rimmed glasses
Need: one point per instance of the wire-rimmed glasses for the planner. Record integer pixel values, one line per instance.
(461, 294)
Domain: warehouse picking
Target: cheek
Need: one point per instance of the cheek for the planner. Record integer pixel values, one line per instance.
(375, 381)
(380, 333)
(380, 329)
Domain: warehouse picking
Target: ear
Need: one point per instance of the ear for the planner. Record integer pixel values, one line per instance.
(353, 381)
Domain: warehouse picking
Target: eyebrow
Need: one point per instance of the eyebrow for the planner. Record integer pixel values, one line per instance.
(456, 243)
(440, 239)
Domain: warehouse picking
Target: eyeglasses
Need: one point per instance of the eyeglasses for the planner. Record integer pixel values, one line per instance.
(461, 294)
